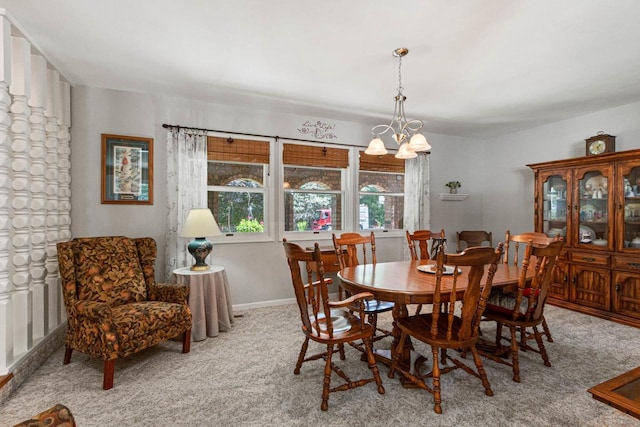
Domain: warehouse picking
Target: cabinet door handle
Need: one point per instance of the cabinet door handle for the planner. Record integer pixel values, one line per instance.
(618, 287)
(634, 264)
(573, 279)
(566, 278)
(588, 259)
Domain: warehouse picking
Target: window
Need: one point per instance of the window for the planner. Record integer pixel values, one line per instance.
(313, 183)
(237, 177)
(381, 191)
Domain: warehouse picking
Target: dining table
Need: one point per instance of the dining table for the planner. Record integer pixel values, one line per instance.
(402, 283)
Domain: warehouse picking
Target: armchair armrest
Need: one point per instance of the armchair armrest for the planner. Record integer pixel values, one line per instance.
(92, 309)
(354, 302)
(169, 293)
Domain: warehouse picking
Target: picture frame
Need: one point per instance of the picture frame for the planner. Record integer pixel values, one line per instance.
(127, 170)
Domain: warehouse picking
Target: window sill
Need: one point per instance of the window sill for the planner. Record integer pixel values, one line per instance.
(453, 197)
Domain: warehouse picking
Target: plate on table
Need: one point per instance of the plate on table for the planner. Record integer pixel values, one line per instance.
(431, 268)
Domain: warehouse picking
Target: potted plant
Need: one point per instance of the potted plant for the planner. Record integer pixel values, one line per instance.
(453, 186)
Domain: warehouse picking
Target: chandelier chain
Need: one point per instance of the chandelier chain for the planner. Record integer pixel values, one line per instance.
(400, 74)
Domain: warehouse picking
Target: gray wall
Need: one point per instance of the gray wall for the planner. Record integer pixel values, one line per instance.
(508, 199)
(493, 172)
(257, 271)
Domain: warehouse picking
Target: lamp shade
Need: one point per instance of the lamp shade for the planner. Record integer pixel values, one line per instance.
(419, 143)
(200, 223)
(404, 152)
(376, 147)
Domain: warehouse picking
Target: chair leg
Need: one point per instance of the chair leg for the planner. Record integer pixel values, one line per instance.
(480, 367)
(437, 398)
(368, 344)
(67, 355)
(109, 368)
(543, 351)
(341, 351)
(547, 332)
(372, 319)
(498, 334)
(327, 379)
(419, 309)
(186, 341)
(303, 352)
(514, 354)
(396, 355)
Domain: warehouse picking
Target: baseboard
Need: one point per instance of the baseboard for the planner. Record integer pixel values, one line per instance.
(261, 304)
(31, 361)
(271, 303)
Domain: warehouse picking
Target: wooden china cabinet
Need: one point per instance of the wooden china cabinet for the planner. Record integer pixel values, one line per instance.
(594, 204)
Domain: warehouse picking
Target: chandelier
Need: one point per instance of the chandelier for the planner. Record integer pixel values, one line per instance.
(404, 132)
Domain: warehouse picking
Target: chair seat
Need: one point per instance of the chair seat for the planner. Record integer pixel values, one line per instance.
(136, 322)
(375, 306)
(505, 303)
(345, 326)
(419, 326)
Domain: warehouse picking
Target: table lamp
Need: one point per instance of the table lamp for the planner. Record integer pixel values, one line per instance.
(200, 223)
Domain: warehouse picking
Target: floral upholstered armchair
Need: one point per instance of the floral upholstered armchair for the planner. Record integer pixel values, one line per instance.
(114, 306)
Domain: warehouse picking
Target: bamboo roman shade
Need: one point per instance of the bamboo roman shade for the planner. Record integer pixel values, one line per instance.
(308, 155)
(237, 150)
(381, 163)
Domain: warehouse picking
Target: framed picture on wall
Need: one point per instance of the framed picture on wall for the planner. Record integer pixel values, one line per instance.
(127, 170)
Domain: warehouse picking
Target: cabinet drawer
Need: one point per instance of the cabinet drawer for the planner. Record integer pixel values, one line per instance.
(628, 263)
(590, 258)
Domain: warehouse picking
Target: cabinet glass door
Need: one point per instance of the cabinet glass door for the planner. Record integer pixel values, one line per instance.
(554, 215)
(630, 189)
(594, 209)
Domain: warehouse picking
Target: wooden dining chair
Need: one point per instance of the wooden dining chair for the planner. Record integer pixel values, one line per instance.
(443, 328)
(514, 242)
(419, 246)
(419, 243)
(469, 238)
(328, 322)
(353, 249)
(524, 307)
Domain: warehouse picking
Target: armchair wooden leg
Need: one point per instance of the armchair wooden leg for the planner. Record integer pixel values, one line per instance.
(186, 341)
(109, 368)
(67, 355)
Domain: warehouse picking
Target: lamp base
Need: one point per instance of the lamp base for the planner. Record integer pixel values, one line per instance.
(200, 248)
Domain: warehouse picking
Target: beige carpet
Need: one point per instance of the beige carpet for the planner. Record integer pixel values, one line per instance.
(245, 377)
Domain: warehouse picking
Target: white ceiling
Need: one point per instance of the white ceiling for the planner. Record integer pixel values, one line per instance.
(475, 67)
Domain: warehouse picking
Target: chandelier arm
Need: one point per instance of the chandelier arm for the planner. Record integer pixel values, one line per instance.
(413, 125)
(387, 128)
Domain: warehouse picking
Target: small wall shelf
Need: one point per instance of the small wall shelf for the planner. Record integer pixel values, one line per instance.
(453, 197)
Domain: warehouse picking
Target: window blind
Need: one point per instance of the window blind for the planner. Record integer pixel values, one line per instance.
(237, 150)
(309, 155)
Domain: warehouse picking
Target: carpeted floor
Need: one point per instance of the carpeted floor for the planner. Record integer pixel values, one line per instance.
(245, 377)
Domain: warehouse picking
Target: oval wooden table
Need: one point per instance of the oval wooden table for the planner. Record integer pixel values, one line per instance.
(401, 282)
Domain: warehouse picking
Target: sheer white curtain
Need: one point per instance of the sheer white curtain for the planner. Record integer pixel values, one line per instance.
(186, 189)
(417, 212)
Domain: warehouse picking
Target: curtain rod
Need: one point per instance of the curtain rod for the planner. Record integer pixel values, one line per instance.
(167, 126)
